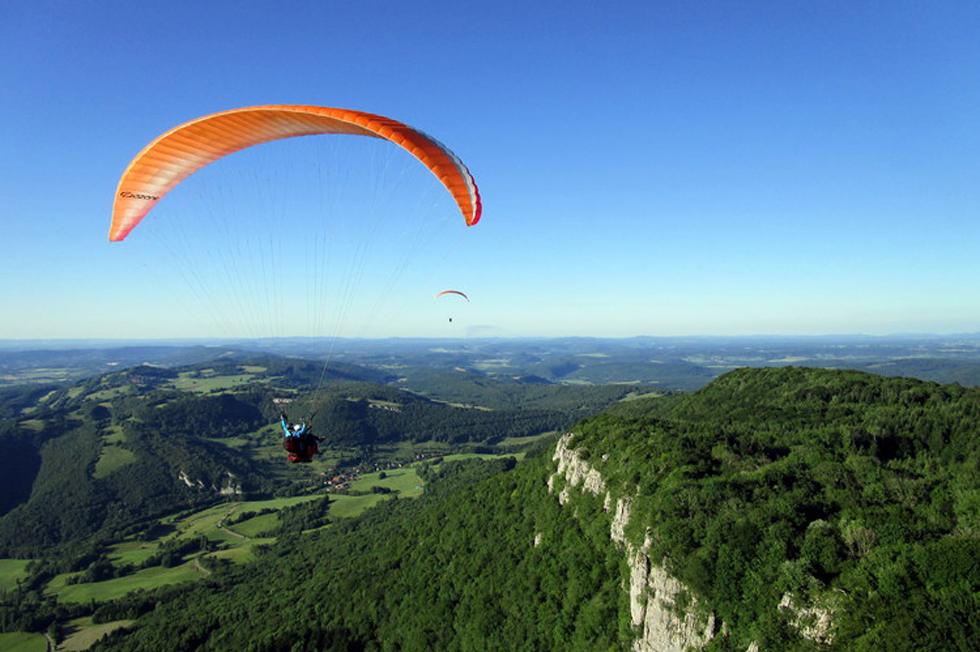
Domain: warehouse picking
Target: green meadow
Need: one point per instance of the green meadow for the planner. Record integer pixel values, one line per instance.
(257, 525)
(23, 642)
(404, 481)
(203, 382)
(517, 441)
(147, 578)
(82, 633)
(481, 456)
(343, 506)
(12, 570)
(133, 552)
(112, 458)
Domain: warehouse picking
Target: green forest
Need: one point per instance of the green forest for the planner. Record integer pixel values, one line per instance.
(775, 496)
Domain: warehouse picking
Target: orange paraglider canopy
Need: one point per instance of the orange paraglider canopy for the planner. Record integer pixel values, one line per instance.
(452, 292)
(183, 150)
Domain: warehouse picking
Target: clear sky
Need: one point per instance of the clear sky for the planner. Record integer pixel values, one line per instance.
(647, 167)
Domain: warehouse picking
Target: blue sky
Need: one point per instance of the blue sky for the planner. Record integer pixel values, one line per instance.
(647, 168)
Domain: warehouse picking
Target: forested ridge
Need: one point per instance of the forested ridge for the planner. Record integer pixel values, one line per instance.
(777, 497)
(855, 494)
(852, 494)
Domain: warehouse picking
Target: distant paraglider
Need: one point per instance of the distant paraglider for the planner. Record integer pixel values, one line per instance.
(444, 292)
(452, 292)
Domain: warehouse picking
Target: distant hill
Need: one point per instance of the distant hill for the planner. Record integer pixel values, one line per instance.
(670, 363)
(46, 365)
(776, 509)
(939, 370)
(96, 457)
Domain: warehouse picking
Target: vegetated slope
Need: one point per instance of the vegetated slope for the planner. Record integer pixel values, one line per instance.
(68, 499)
(846, 494)
(843, 494)
(495, 566)
(111, 451)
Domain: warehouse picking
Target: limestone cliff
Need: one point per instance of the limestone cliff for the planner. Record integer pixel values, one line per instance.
(663, 611)
(653, 593)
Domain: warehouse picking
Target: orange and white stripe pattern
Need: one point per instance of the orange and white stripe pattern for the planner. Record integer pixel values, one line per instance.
(178, 153)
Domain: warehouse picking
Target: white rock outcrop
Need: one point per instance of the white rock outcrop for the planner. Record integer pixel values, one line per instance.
(813, 623)
(617, 531)
(653, 593)
(577, 471)
(229, 486)
(186, 479)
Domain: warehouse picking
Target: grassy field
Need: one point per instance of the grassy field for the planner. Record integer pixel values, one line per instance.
(113, 458)
(481, 456)
(82, 633)
(342, 506)
(205, 523)
(517, 441)
(11, 570)
(256, 525)
(23, 642)
(148, 578)
(405, 450)
(110, 393)
(638, 395)
(243, 553)
(404, 481)
(133, 552)
(203, 382)
(116, 435)
(187, 525)
(233, 442)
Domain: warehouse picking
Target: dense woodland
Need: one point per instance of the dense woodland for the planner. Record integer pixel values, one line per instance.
(850, 491)
(854, 493)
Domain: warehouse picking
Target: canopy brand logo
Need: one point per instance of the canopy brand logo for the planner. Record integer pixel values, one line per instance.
(136, 195)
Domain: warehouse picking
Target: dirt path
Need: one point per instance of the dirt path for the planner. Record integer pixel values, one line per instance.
(201, 569)
(221, 526)
(52, 646)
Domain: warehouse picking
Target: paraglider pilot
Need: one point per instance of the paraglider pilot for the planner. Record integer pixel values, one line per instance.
(299, 440)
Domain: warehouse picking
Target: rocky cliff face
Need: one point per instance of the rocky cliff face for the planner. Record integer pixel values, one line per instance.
(656, 598)
(654, 594)
(228, 484)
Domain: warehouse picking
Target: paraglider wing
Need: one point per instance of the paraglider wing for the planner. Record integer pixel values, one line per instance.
(452, 292)
(180, 152)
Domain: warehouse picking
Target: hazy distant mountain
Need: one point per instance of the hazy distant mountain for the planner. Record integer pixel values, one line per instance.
(672, 363)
